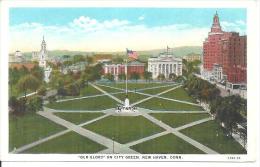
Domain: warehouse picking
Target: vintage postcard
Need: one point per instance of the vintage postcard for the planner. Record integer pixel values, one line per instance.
(161, 81)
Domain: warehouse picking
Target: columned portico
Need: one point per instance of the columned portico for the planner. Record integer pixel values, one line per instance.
(165, 64)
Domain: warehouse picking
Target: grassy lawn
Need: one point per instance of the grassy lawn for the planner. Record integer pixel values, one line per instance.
(68, 143)
(176, 120)
(89, 90)
(157, 90)
(161, 104)
(211, 134)
(93, 103)
(167, 144)
(133, 97)
(124, 129)
(109, 90)
(133, 85)
(29, 128)
(179, 94)
(78, 118)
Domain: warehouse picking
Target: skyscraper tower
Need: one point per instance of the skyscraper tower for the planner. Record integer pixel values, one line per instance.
(216, 28)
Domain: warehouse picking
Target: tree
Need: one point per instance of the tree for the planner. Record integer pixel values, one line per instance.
(118, 60)
(135, 76)
(78, 58)
(121, 77)
(72, 89)
(110, 77)
(172, 76)
(228, 113)
(161, 77)
(35, 104)
(89, 60)
(26, 83)
(15, 105)
(42, 91)
(147, 76)
(190, 67)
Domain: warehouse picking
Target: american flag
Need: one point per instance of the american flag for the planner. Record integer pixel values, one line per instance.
(132, 54)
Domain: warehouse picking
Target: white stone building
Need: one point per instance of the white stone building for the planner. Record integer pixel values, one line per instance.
(18, 57)
(165, 64)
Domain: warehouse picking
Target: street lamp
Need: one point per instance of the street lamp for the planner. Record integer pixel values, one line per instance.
(113, 144)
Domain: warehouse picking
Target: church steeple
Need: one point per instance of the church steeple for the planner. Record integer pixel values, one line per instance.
(216, 28)
(43, 45)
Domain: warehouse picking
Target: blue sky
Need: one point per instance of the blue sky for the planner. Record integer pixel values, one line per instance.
(114, 29)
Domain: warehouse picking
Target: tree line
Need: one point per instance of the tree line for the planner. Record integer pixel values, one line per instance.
(229, 111)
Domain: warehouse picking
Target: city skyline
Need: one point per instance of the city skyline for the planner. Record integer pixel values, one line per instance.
(92, 29)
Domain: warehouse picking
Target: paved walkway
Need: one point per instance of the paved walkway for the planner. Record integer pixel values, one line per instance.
(85, 97)
(193, 123)
(180, 135)
(28, 146)
(163, 111)
(147, 138)
(106, 93)
(117, 147)
(152, 96)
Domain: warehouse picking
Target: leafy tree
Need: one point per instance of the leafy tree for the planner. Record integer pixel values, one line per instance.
(89, 60)
(35, 104)
(42, 91)
(135, 76)
(228, 113)
(161, 77)
(72, 89)
(172, 76)
(26, 83)
(78, 58)
(38, 73)
(118, 60)
(15, 105)
(110, 77)
(147, 76)
(121, 77)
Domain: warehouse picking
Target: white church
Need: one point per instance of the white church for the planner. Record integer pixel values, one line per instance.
(42, 57)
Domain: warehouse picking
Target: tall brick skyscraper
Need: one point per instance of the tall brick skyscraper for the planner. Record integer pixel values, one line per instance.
(224, 54)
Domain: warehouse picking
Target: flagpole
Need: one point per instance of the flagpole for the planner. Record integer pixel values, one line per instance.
(126, 75)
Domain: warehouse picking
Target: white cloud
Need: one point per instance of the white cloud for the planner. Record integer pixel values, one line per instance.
(141, 18)
(238, 26)
(89, 24)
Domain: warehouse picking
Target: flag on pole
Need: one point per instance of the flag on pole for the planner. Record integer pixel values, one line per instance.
(132, 54)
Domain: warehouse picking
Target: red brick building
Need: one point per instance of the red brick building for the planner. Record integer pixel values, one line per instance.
(117, 69)
(224, 54)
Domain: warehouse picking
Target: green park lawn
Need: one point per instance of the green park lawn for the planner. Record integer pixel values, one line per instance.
(179, 94)
(167, 144)
(167, 105)
(93, 103)
(89, 90)
(78, 118)
(179, 119)
(124, 129)
(211, 135)
(69, 143)
(157, 90)
(133, 97)
(133, 85)
(109, 90)
(29, 128)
